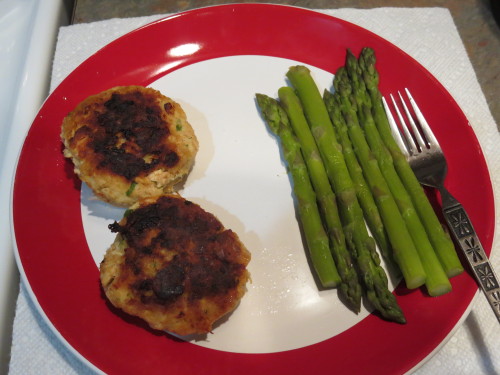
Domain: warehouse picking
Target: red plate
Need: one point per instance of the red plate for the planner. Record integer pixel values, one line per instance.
(52, 249)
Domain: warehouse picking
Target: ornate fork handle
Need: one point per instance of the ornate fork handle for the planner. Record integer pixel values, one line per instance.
(465, 235)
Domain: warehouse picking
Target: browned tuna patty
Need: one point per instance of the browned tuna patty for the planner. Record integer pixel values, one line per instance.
(175, 266)
(129, 142)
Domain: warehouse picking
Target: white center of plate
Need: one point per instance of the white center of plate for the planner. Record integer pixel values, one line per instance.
(240, 177)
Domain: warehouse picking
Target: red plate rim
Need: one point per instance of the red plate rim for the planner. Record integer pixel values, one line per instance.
(62, 277)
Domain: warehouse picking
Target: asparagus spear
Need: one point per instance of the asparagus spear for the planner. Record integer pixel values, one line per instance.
(439, 238)
(437, 282)
(403, 246)
(360, 243)
(350, 287)
(364, 194)
(316, 237)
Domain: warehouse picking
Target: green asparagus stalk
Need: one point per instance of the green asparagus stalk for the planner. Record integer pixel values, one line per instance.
(437, 282)
(350, 287)
(439, 238)
(364, 194)
(316, 238)
(358, 239)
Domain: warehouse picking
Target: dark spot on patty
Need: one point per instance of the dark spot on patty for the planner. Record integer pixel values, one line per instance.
(130, 133)
(169, 282)
(203, 252)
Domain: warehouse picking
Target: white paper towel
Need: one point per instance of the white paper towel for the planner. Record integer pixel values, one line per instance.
(427, 34)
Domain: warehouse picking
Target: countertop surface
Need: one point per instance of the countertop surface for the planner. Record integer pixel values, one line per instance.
(474, 20)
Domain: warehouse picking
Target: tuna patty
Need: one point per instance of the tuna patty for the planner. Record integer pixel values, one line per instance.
(175, 266)
(129, 142)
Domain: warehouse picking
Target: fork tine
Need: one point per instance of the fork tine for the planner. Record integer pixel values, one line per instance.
(396, 132)
(416, 132)
(426, 129)
(410, 143)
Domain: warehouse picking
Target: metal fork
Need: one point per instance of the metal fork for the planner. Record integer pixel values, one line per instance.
(427, 160)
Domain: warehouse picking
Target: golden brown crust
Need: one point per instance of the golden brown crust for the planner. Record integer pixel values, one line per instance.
(174, 265)
(129, 142)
